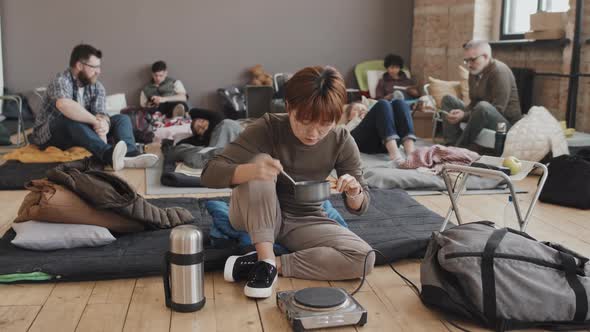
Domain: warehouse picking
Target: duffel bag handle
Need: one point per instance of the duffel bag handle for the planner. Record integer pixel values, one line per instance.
(488, 279)
(583, 260)
(569, 264)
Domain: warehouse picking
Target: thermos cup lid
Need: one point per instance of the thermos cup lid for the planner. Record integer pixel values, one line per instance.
(186, 239)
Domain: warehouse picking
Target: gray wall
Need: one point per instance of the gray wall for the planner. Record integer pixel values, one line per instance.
(206, 43)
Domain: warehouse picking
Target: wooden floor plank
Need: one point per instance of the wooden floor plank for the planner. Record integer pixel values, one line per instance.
(17, 318)
(25, 294)
(272, 318)
(403, 303)
(10, 201)
(64, 307)
(202, 320)
(148, 311)
(351, 285)
(233, 311)
(107, 307)
(379, 317)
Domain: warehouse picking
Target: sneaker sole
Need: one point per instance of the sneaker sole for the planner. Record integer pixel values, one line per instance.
(119, 153)
(228, 269)
(178, 111)
(260, 293)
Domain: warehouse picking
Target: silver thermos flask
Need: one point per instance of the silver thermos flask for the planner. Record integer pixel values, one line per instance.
(184, 273)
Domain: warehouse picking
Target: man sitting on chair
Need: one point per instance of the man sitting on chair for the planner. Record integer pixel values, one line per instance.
(164, 93)
(493, 95)
(74, 114)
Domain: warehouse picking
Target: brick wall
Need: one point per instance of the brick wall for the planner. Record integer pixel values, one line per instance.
(442, 26)
(583, 112)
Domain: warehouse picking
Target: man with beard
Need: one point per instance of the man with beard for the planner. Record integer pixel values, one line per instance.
(74, 114)
(493, 95)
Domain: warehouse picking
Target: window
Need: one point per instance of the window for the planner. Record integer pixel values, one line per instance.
(516, 15)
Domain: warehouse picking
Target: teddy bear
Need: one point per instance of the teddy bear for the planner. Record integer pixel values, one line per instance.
(259, 76)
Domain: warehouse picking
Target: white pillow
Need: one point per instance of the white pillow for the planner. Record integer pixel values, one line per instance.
(36, 235)
(373, 77)
(115, 103)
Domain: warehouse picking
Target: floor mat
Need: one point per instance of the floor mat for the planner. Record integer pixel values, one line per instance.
(14, 174)
(379, 173)
(395, 224)
(153, 186)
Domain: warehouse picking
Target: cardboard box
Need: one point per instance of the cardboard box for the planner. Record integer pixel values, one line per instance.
(545, 34)
(423, 124)
(548, 21)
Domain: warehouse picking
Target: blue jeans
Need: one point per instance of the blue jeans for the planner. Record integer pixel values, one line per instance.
(385, 121)
(67, 133)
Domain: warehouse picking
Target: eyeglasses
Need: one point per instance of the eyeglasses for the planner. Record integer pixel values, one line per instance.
(91, 66)
(471, 60)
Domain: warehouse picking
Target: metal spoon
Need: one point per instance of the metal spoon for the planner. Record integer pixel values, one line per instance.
(288, 177)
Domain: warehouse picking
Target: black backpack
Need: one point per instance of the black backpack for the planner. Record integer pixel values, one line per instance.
(568, 182)
(233, 102)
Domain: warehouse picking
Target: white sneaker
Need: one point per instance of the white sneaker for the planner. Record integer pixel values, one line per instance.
(145, 160)
(119, 153)
(178, 111)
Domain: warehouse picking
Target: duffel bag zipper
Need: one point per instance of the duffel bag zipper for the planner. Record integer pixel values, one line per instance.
(579, 270)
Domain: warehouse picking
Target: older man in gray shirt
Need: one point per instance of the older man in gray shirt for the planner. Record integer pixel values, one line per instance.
(493, 95)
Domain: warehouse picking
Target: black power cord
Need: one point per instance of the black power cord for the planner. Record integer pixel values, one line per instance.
(406, 280)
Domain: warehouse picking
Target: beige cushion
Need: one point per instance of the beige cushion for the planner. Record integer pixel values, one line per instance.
(53, 203)
(535, 135)
(464, 74)
(439, 88)
(373, 77)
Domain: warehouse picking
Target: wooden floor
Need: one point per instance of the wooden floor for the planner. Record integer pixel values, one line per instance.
(138, 304)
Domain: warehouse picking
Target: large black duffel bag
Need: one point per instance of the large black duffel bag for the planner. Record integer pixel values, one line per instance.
(568, 182)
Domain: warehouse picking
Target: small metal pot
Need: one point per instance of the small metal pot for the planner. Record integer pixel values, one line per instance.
(312, 191)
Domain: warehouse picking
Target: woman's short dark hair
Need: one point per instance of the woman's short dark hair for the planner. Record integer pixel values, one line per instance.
(158, 66)
(393, 60)
(317, 94)
(83, 52)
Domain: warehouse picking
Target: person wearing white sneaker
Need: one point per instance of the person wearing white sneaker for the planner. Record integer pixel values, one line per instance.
(74, 114)
(305, 143)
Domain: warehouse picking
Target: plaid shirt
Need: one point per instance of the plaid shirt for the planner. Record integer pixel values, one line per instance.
(62, 86)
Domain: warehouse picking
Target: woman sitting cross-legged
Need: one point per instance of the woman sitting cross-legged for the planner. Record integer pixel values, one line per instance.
(307, 145)
(382, 129)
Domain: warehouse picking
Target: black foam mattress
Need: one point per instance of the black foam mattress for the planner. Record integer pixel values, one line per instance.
(14, 174)
(395, 224)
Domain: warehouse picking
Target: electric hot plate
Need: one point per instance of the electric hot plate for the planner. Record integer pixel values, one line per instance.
(320, 307)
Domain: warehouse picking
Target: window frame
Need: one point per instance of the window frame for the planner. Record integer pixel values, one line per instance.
(503, 17)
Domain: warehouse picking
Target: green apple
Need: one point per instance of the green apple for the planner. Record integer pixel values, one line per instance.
(513, 164)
